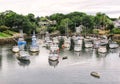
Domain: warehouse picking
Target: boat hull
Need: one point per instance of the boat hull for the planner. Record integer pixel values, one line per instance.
(15, 49)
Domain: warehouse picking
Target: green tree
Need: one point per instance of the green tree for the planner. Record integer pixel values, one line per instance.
(64, 26)
(116, 30)
(88, 22)
(58, 17)
(2, 18)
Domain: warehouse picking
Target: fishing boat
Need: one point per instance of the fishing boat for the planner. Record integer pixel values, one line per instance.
(78, 44)
(20, 43)
(102, 49)
(103, 41)
(88, 44)
(53, 56)
(113, 45)
(67, 43)
(23, 56)
(48, 41)
(34, 46)
(55, 40)
(15, 49)
(54, 50)
(96, 43)
(54, 47)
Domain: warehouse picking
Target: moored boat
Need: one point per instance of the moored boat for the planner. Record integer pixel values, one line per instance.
(23, 56)
(34, 46)
(15, 49)
(53, 56)
(88, 44)
(78, 44)
(102, 49)
(113, 45)
(54, 50)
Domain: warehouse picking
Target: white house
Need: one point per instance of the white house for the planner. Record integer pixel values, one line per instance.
(79, 29)
(116, 23)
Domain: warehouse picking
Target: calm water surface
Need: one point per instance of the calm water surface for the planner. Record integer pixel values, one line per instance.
(74, 70)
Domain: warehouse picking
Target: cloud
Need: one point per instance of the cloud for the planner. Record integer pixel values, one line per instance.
(48, 7)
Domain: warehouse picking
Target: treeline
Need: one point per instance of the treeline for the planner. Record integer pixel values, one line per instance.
(75, 19)
(13, 21)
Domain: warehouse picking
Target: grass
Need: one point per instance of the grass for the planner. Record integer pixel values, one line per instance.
(7, 34)
(4, 35)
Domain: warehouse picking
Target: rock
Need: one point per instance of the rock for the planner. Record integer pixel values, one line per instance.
(95, 74)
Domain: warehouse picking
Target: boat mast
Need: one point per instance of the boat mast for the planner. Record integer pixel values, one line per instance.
(67, 29)
(21, 33)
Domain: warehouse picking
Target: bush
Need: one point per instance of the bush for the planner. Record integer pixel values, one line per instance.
(116, 30)
(95, 31)
(3, 28)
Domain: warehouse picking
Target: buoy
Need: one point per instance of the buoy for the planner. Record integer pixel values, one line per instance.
(63, 46)
(95, 74)
(65, 57)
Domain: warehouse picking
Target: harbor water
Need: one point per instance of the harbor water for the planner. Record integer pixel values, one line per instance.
(75, 69)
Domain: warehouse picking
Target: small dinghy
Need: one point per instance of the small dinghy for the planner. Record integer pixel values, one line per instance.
(65, 57)
(23, 56)
(15, 49)
(95, 74)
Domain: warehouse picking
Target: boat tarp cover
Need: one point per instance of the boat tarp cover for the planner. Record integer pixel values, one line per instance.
(21, 43)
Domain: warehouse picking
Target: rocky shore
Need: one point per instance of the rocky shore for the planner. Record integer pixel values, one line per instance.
(9, 40)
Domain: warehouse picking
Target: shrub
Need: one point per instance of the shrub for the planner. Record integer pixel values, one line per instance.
(3, 28)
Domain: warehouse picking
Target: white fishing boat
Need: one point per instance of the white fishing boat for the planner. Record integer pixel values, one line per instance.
(96, 43)
(55, 40)
(113, 45)
(78, 44)
(23, 56)
(54, 50)
(53, 56)
(77, 47)
(34, 46)
(48, 41)
(67, 43)
(102, 49)
(54, 47)
(88, 44)
(104, 41)
(15, 49)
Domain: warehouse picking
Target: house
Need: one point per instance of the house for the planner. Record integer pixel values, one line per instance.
(79, 29)
(116, 23)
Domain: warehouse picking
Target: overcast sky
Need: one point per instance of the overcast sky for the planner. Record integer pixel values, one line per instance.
(48, 7)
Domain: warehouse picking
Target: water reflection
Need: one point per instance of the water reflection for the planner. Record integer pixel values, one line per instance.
(79, 64)
(34, 53)
(0, 62)
(21, 62)
(53, 63)
(24, 63)
(0, 58)
(99, 54)
(113, 50)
